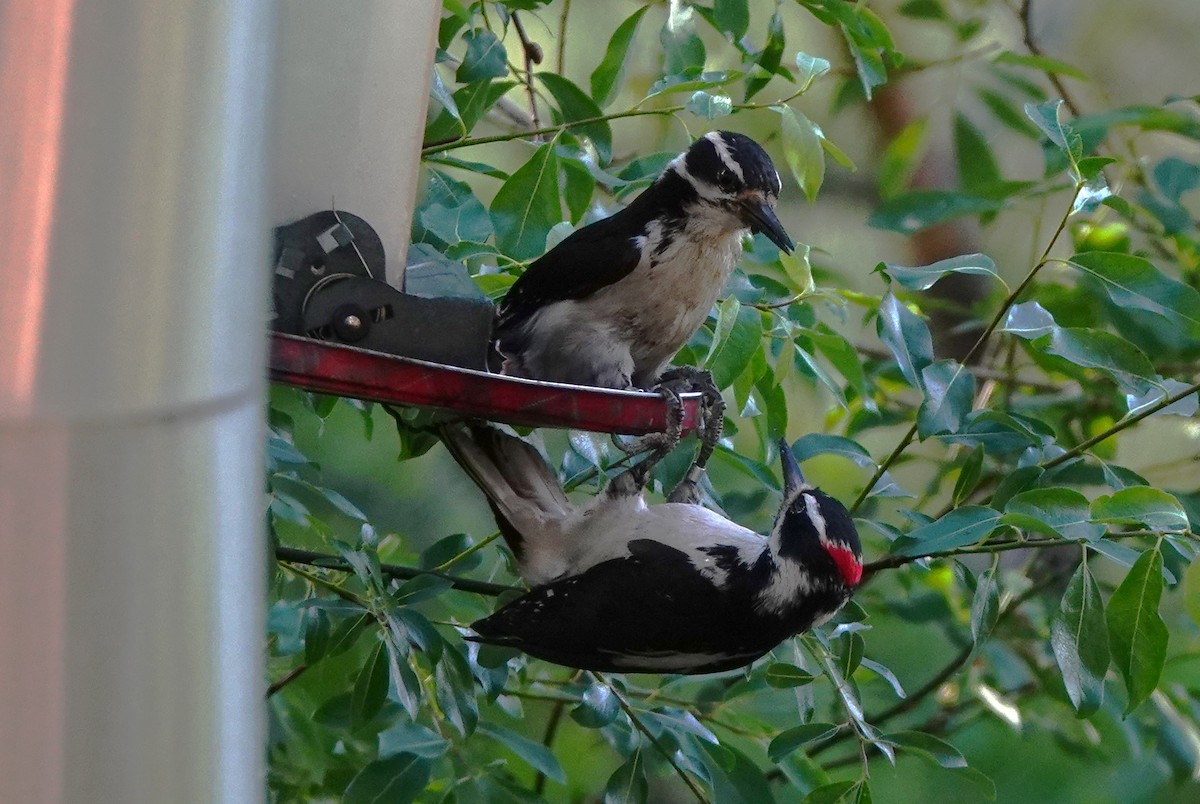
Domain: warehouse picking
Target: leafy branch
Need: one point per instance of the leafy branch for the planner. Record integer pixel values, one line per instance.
(292, 555)
(649, 735)
(1087, 444)
(997, 319)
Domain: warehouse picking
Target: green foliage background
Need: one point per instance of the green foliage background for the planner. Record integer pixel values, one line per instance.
(1028, 501)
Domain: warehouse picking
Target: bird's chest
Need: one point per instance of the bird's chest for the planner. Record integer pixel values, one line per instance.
(669, 294)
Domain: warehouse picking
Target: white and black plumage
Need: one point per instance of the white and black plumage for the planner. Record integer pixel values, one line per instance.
(619, 585)
(613, 302)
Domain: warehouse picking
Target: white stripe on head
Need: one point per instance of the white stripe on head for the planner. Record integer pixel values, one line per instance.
(726, 155)
(814, 514)
(702, 188)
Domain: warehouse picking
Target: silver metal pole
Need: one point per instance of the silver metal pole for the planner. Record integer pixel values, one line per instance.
(132, 300)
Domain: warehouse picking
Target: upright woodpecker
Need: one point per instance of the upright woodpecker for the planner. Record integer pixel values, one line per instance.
(614, 301)
(672, 588)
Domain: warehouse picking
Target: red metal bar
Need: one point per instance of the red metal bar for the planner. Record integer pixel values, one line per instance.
(332, 368)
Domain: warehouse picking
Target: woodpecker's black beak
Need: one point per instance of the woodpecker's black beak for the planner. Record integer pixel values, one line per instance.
(762, 220)
(793, 478)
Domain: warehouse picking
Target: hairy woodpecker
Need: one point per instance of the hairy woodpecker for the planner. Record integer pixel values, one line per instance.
(613, 302)
(623, 586)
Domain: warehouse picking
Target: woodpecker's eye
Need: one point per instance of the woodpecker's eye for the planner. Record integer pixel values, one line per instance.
(725, 178)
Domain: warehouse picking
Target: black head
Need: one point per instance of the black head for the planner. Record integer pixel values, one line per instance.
(732, 171)
(813, 528)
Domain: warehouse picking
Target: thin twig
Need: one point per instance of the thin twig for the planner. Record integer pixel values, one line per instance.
(1087, 444)
(464, 142)
(1026, 16)
(533, 55)
(892, 562)
(640, 726)
(292, 555)
(292, 675)
(562, 36)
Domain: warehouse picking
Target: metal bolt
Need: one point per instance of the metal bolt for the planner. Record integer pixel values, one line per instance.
(352, 322)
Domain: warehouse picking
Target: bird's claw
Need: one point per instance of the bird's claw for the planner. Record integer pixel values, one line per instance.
(711, 426)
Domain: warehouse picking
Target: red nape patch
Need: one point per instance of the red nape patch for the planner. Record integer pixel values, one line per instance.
(847, 563)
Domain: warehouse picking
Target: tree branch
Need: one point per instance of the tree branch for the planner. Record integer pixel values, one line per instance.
(1084, 446)
(892, 562)
(533, 55)
(292, 555)
(1026, 17)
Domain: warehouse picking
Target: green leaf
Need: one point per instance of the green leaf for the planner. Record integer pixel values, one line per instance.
(1079, 638)
(473, 101)
(886, 674)
(597, 708)
(985, 606)
(767, 61)
(680, 722)
(928, 747)
(608, 75)
(1133, 282)
(798, 269)
(536, 755)
(1043, 63)
(1136, 634)
(628, 783)
(923, 277)
(977, 166)
(1006, 112)
(1094, 348)
(784, 676)
(809, 69)
(949, 393)
(959, 528)
(924, 10)
(814, 444)
(454, 688)
(737, 338)
(906, 336)
(901, 158)
(684, 83)
(395, 780)
(802, 150)
(370, 688)
(919, 209)
(732, 17)
(844, 357)
(422, 587)
(735, 776)
(1046, 117)
(1184, 406)
(485, 57)
(968, 476)
(838, 155)
(683, 50)
(788, 741)
(1055, 512)
(706, 105)
(829, 793)
(527, 205)
(1154, 508)
(574, 104)
(412, 738)
(1028, 320)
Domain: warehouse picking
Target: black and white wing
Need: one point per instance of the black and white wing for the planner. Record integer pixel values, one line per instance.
(586, 261)
(651, 612)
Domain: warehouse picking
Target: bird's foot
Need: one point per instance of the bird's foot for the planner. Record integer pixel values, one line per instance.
(709, 431)
(658, 445)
